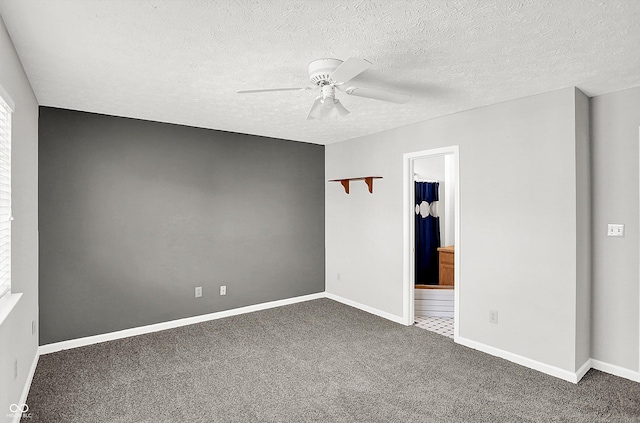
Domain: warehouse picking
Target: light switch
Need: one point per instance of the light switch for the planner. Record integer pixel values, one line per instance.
(615, 229)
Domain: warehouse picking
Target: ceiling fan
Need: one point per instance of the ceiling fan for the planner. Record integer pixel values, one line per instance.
(329, 74)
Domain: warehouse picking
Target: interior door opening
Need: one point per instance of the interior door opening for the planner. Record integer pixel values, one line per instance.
(432, 235)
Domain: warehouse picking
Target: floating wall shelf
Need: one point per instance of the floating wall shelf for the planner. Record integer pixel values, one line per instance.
(367, 179)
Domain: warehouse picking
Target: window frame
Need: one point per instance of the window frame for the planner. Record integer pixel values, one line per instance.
(6, 117)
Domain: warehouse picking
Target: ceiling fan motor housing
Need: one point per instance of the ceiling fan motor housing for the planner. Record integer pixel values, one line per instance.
(320, 70)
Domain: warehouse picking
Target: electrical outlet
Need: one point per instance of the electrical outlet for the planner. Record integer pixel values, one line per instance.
(33, 327)
(198, 291)
(615, 230)
(223, 290)
(493, 316)
(338, 276)
(15, 369)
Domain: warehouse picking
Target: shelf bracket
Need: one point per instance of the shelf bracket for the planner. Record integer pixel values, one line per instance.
(369, 181)
(345, 184)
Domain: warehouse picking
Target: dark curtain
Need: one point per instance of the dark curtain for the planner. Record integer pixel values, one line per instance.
(427, 234)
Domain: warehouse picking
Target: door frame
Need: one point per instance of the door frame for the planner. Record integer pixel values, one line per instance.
(408, 213)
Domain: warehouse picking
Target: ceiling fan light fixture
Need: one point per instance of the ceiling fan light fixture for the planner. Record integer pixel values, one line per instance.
(339, 110)
(316, 109)
(321, 112)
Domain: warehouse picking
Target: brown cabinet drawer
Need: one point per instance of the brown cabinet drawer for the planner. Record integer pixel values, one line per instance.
(446, 262)
(446, 257)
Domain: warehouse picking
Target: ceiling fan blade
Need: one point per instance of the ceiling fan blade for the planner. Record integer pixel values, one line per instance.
(349, 69)
(266, 90)
(378, 95)
(316, 109)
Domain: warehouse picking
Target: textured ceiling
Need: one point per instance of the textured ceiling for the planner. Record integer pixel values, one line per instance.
(182, 61)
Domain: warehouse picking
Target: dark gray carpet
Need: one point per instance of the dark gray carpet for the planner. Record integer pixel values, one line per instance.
(318, 361)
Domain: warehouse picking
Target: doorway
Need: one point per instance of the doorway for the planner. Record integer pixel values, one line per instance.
(413, 163)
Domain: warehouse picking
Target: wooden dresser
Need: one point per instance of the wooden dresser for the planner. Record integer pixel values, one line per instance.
(446, 260)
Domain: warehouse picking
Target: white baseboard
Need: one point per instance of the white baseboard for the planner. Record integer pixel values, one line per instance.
(583, 370)
(615, 370)
(96, 339)
(515, 358)
(368, 309)
(27, 386)
(523, 361)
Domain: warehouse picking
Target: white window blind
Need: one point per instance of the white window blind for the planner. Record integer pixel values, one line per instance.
(5, 197)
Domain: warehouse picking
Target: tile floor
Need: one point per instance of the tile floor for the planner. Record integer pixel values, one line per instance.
(441, 325)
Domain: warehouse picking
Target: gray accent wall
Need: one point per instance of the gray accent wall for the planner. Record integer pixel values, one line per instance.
(135, 214)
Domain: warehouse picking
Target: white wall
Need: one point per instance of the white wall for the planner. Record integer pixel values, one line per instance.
(16, 340)
(517, 222)
(583, 231)
(615, 119)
